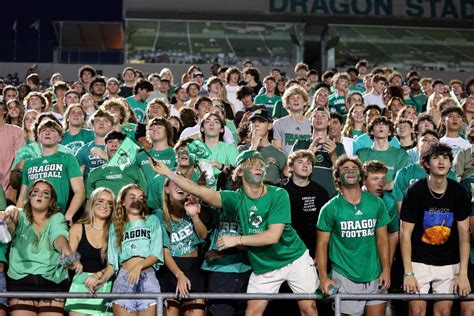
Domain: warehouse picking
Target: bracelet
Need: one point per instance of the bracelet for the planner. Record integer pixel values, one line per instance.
(222, 167)
(176, 275)
(408, 274)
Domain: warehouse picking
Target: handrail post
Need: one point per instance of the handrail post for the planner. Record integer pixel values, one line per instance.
(159, 305)
(337, 305)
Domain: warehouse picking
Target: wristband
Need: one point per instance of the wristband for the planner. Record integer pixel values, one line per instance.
(177, 274)
(408, 274)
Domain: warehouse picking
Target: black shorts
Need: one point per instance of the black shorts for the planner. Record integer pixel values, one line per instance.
(191, 266)
(36, 283)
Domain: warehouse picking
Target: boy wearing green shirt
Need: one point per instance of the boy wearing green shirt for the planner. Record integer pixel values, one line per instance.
(75, 136)
(269, 98)
(352, 234)
(141, 92)
(337, 100)
(276, 253)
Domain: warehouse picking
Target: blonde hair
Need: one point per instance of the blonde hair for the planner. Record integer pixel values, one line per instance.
(294, 90)
(348, 128)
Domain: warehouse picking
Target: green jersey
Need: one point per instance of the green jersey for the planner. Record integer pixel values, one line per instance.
(115, 179)
(279, 110)
(183, 238)
(33, 150)
(269, 102)
(353, 235)
(138, 107)
(141, 238)
(391, 205)
(89, 161)
(255, 216)
(167, 156)
(225, 153)
(356, 89)
(275, 161)
(337, 103)
(77, 141)
(3, 252)
(408, 175)
(394, 158)
(58, 168)
(33, 252)
(234, 261)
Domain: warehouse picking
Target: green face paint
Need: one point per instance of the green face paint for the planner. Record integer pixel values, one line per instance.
(253, 179)
(345, 173)
(34, 195)
(46, 197)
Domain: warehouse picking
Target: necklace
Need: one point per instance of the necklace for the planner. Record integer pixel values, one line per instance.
(433, 193)
(99, 230)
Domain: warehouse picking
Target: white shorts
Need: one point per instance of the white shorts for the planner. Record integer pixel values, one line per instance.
(440, 278)
(301, 276)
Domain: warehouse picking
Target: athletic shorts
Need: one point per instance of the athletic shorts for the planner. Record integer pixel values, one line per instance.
(300, 275)
(191, 266)
(349, 287)
(148, 283)
(439, 278)
(36, 283)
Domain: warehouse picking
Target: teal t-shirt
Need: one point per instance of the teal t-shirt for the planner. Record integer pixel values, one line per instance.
(77, 141)
(394, 158)
(33, 150)
(167, 156)
(391, 205)
(138, 107)
(115, 179)
(58, 168)
(33, 252)
(235, 261)
(269, 102)
(141, 238)
(279, 110)
(89, 161)
(225, 153)
(364, 141)
(255, 216)
(353, 235)
(183, 239)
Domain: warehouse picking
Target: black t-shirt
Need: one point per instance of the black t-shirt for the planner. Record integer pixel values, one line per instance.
(306, 202)
(435, 238)
(125, 91)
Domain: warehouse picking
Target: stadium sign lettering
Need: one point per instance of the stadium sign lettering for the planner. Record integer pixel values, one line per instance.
(445, 9)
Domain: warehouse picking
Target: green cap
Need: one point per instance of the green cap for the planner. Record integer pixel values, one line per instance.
(246, 154)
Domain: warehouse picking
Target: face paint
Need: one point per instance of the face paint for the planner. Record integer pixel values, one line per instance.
(137, 205)
(253, 179)
(46, 197)
(34, 195)
(345, 173)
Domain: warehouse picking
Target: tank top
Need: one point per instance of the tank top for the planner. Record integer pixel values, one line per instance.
(90, 256)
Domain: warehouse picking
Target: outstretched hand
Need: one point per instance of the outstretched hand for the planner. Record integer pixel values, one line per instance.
(192, 206)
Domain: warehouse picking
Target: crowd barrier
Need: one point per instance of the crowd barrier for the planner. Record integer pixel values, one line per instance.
(160, 297)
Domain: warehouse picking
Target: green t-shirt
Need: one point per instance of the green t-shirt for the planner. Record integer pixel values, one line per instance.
(183, 239)
(225, 153)
(141, 238)
(234, 261)
(391, 205)
(58, 168)
(138, 107)
(421, 101)
(34, 253)
(129, 129)
(115, 179)
(275, 161)
(155, 190)
(263, 99)
(356, 89)
(167, 156)
(255, 215)
(77, 141)
(33, 150)
(279, 110)
(408, 175)
(3, 200)
(364, 141)
(352, 231)
(3, 252)
(86, 159)
(394, 158)
(337, 103)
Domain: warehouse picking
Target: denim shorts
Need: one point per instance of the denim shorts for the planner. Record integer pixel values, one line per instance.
(148, 283)
(3, 288)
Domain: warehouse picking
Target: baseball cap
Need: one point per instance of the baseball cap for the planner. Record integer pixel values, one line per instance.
(260, 114)
(247, 154)
(198, 74)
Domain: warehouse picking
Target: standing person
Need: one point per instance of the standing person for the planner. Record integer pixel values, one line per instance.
(89, 237)
(40, 239)
(75, 135)
(452, 119)
(306, 196)
(181, 217)
(112, 89)
(134, 252)
(61, 169)
(354, 225)
(141, 92)
(269, 98)
(232, 77)
(375, 96)
(337, 100)
(288, 129)
(128, 76)
(275, 251)
(435, 233)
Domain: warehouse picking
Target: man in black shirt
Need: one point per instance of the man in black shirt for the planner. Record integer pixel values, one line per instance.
(435, 233)
(306, 197)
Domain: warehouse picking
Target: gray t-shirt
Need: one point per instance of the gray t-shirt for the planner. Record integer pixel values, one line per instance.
(288, 131)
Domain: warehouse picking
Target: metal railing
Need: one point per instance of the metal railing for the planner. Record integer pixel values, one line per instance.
(160, 297)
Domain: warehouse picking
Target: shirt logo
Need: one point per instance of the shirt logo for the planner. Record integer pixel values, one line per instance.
(359, 212)
(255, 220)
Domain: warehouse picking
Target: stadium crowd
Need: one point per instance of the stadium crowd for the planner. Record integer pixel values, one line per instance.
(357, 181)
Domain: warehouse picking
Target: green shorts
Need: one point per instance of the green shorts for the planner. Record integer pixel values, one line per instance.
(91, 306)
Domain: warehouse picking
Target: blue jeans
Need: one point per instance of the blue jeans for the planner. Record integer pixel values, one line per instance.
(148, 283)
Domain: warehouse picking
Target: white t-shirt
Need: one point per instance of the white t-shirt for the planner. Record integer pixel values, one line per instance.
(232, 97)
(457, 143)
(370, 98)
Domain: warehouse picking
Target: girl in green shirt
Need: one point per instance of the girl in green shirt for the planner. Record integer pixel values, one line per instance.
(39, 239)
